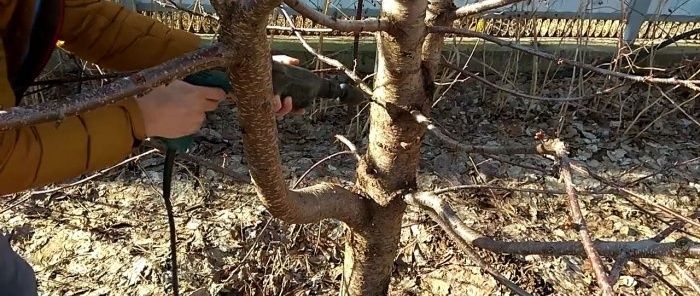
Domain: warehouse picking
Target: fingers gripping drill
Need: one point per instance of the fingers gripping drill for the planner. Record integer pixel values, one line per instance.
(287, 80)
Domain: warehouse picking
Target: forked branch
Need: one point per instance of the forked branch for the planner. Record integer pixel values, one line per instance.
(114, 92)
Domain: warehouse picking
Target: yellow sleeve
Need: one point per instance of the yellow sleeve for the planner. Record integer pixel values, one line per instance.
(115, 38)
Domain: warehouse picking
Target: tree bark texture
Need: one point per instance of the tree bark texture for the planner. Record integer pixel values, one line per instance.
(388, 169)
(243, 26)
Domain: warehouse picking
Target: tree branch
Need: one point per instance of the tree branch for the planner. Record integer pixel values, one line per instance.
(327, 60)
(251, 75)
(479, 7)
(591, 252)
(116, 91)
(691, 84)
(465, 247)
(621, 260)
(541, 149)
(683, 248)
(364, 25)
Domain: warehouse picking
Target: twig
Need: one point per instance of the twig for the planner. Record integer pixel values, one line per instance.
(325, 59)
(659, 277)
(479, 7)
(637, 249)
(662, 170)
(319, 163)
(541, 148)
(622, 259)
(81, 181)
(691, 84)
(628, 193)
(675, 227)
(663, 208)
(577, 216)
(465, 247)
(366, 25)
(130, 86)
(493, 187)
(685, 275)
(524, 95)
(204, 162)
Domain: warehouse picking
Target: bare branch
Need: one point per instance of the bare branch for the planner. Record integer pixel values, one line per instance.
(327, 60)
(251, 76)
(439, 13)
(631, 195)
(593, 256)
(621, 260)
(659, 277)
(366, 25)
(121, 89)
(238, 177)
(524, 95)
(691, 84)
(493, 187)
(685, 275)
(327, 158)
(542, 148)
(321, 201)
(684, 248)
(465, 247)
(482, 6)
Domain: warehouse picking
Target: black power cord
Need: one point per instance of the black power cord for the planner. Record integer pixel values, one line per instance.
(167, 188)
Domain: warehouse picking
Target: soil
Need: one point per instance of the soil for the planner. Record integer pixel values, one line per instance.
(109, 235)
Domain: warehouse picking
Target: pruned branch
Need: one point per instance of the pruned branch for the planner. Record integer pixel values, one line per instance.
(482, 6)
(116, 91)
(577, 216)
(364, 25)
(541, 148)
(683, 248)
(691, 84)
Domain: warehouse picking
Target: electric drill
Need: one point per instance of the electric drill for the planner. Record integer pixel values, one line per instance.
(287, 80)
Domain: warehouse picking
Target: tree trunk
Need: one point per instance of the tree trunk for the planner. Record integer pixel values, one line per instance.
(388, 170)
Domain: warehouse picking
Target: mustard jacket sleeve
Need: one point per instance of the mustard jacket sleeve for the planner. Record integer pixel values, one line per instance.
(114, 38)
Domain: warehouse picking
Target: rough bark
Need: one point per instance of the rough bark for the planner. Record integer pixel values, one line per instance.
(439, 13)
(388, 170)
(243, 30)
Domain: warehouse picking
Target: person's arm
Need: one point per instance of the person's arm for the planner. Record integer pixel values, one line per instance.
(115, 38)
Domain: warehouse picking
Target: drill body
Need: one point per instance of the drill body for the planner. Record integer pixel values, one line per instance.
(304, 86)
(300, 83)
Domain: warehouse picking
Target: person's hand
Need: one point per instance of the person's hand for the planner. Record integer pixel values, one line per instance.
(284, 107)
(177, 109)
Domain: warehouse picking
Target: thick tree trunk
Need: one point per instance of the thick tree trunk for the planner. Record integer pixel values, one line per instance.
(388, 170)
